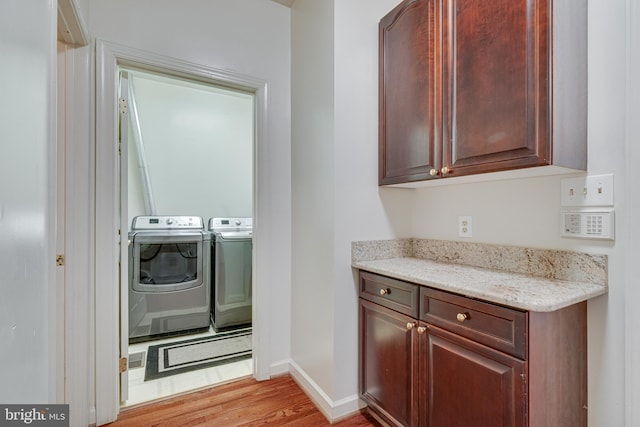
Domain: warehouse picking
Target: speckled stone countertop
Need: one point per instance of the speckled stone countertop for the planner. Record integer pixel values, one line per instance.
(523, 278)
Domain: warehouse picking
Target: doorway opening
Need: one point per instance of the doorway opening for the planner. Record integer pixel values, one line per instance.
(186, 153)
(110, 240)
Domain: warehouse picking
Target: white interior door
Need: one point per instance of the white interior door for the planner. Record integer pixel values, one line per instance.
(123, 102)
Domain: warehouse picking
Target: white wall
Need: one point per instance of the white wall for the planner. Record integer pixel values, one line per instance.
(363, 211)
(28, 355)
(198, 144)
(312, 172)
(335, 196)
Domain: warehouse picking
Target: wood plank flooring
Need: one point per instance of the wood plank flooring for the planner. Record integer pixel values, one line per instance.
(247, 402)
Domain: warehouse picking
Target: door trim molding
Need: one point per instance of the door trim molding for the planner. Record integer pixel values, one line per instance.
(109, 58)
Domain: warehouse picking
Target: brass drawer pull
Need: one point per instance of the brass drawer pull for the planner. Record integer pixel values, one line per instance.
(422, 329)
(462, 317)
(385, 291)
(411, 325)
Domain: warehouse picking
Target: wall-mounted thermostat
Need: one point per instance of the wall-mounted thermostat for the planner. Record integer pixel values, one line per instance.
(587, 224)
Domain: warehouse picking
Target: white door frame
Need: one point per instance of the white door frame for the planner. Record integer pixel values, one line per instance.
(109, 58)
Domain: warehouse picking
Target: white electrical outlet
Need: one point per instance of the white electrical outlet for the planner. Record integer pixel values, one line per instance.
(594, 190)
(464, 226)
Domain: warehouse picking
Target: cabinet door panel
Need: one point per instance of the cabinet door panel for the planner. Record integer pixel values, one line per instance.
(388, 358)
(468, 384)
(407, 149)
(495, 84)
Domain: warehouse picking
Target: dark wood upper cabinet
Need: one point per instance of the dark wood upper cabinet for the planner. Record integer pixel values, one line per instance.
(475, 86)
(407, 146)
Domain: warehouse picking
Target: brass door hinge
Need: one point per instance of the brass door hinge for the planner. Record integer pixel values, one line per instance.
(123, 364)
(59, 260)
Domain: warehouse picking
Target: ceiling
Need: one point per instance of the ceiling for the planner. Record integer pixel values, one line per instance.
(287, 3)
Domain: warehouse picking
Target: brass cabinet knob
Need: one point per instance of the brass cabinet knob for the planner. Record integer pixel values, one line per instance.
(445, 170)
(411, 325)
(433, 172)
(462, 317)
(385, 291)
(422, 329)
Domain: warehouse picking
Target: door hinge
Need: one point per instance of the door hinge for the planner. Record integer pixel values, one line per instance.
(59, 260)
(123, 364)
(122, 106)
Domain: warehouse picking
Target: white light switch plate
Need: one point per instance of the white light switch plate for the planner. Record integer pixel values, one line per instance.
(593, 190)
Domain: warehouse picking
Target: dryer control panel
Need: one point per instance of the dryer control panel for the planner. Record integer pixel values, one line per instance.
(166, 222)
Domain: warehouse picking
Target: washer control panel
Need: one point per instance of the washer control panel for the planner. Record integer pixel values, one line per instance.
(166, 222)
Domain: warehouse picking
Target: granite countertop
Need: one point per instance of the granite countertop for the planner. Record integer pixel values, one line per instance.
(511, 288)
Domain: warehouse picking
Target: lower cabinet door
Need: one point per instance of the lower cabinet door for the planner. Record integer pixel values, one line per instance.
(388, 364)
(469, 384)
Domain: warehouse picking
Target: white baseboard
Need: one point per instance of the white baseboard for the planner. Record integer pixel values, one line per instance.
(279, 368)
(333, 410)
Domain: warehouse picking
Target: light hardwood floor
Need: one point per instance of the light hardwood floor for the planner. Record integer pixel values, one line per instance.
(247, 402)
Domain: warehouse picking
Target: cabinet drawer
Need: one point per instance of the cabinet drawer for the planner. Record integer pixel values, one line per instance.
(391, 293)
(496, 326)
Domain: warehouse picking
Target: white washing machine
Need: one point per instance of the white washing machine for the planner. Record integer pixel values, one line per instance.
(169, 276)
(231, 258)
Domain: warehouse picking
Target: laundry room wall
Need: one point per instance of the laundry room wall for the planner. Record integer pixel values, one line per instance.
(196, 142)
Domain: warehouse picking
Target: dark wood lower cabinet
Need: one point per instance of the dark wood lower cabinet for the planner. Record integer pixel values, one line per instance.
(389, 364)
(444, 360)
(468, 384)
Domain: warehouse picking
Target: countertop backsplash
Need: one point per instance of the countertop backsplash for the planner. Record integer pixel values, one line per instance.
(548, 263)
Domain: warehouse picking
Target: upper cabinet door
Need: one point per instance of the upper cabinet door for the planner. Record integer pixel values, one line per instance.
(475, 86)
(407, 94)
(496, 77)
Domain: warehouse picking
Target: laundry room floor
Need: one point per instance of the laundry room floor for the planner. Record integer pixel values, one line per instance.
(141, 391)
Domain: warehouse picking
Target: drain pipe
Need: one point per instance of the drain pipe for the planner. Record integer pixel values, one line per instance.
(149, 202)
